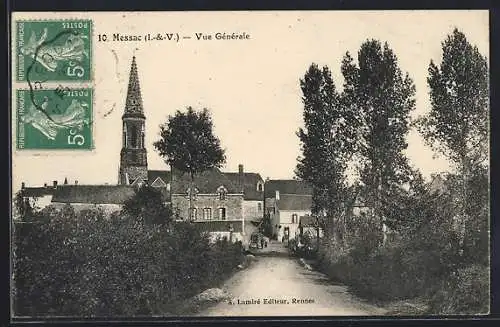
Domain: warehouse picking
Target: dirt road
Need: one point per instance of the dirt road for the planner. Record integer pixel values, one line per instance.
(277, 285)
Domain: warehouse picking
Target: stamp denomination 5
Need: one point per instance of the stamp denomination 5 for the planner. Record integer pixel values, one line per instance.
(59, 118)
(54, 50)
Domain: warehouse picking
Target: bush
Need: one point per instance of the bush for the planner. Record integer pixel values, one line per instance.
(87, 265)
(465, 292)
(425, 260)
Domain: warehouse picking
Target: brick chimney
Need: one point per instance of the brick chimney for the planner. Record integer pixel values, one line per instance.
(54, 183)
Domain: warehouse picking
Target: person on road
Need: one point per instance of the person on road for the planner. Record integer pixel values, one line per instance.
(262, 243)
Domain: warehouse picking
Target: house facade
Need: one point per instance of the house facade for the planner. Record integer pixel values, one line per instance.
(285, 202)
(230, 202)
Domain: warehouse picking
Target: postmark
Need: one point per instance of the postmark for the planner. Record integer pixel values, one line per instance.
(54, 50)
(56, 119)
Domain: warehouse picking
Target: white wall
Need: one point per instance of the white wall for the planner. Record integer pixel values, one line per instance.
(41, 202)
(285, 220)
(286, 215)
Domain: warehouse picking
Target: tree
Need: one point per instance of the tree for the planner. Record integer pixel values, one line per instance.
(326, 143)
(381, 99)
(266, 226)
(189, 145)
(147, 205)
(457, 125)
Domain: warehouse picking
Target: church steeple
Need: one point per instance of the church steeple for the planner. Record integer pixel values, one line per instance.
(133, 156)
(133, 103)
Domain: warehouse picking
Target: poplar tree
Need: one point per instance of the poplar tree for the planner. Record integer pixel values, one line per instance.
(381, 98)
(323, 142)
(457, 125)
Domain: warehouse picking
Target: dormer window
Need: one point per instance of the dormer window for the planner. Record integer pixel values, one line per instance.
(259, 187)
(222, 192)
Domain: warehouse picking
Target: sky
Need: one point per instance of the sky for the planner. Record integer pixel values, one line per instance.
(250, 86)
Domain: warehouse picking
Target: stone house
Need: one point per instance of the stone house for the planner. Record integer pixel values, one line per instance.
(230, 202)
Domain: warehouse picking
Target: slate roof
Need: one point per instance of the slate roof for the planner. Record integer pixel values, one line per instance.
(286, 186)
(163, 174)
(37, 192)
(96, 194)
(299, 202)
(207, 182)
(250, 181)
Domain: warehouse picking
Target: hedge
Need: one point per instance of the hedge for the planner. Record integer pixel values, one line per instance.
(89, 265)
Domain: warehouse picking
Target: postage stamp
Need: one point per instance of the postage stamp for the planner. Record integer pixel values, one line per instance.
(53, 50)
(58, 118)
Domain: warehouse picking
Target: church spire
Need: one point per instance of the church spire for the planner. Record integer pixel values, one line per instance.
(133, 103)
(133, 155)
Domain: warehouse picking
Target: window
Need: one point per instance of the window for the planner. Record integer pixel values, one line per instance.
(207, 213)
(259, 206)
(195, 193)
(259, 187)
(194, 214)
(222, 213)
(133, 136)
(125, 145)
(294, 218)
(222, 193)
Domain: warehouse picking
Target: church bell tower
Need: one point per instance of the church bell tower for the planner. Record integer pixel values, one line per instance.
(133, 156)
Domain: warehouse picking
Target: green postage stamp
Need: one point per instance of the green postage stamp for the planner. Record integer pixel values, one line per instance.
(53, 50)
(59, 118)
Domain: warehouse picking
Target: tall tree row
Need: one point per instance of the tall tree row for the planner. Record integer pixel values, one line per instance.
(369, 120)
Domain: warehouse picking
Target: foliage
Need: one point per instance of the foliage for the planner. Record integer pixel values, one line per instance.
(267, 226)
(85, 264)
(384, 99)
(457, 125)
(424, 261)
(467, 291)
(188, 143)
(324, 139)
(432, 252)
(148, 205)
(22, 205)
